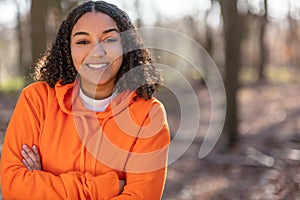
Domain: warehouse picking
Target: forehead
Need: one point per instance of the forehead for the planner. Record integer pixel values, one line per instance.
(94, 21)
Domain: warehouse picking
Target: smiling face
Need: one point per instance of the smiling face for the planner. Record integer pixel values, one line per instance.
(96, 51)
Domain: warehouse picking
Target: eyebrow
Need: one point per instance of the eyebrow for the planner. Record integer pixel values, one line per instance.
(80, 33)
(110, 30)
(104, 32)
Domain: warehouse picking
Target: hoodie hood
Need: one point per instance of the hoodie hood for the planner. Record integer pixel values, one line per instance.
(90, 124)
(70, 102)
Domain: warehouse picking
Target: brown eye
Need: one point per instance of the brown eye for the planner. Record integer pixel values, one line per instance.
(110, 39)
(82, 42)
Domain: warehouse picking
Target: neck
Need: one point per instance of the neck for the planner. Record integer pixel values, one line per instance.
(97, 91)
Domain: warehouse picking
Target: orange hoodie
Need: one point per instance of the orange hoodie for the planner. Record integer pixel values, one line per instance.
(84, 154)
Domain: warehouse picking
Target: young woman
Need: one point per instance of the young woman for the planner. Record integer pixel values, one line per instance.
(89, 128)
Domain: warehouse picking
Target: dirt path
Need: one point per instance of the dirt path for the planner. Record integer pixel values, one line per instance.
(265, 164)
(7, 103)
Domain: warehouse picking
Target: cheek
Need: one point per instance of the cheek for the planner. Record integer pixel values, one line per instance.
(118, 63)
(77, 57)
(116, 66)
(115, 51)
(119, 51)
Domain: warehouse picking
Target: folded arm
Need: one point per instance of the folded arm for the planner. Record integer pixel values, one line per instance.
(19, 182)
(32, 161)
(146, 166)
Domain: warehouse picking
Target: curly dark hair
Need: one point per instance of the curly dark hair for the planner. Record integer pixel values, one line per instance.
(57, 66)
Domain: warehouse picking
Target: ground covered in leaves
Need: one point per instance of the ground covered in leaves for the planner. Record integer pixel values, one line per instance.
(264, 165)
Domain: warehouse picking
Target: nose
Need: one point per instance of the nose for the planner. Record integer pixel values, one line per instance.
(98, 51)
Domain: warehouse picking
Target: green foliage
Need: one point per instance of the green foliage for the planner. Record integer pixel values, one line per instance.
(12, 84)
(277, 74)
(248, 76)
(280, 74)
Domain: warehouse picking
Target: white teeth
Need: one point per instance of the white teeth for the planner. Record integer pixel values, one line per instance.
(97, 66)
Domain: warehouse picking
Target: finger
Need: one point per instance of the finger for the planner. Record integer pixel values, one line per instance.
(28, 160)
(36, 153)
(26, 165)
(30, 153)
(122, 184)
(37, 156)
(32, 157)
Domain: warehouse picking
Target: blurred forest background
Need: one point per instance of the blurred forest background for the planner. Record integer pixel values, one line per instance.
(256, 46)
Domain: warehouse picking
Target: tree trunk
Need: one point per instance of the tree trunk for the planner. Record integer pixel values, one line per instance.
(21, 67)
(55, 16)
(38, 31)
(233, 29)
(137, 7)
(209, 38)
(262, 45)
(292, 40)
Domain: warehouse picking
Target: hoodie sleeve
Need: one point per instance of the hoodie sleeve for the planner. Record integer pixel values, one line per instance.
(19, 183)
(146, 166)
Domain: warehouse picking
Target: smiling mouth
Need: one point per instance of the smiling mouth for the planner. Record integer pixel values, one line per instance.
(98, 66)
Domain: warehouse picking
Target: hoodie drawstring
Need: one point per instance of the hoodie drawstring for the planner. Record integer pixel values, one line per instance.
(96, 149)
(82, 150)
(98, 143)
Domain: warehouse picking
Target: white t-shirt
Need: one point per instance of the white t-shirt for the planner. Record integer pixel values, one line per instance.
(94, 104)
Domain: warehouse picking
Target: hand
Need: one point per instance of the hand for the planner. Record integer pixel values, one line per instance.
(122, 184)
(31, 158)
